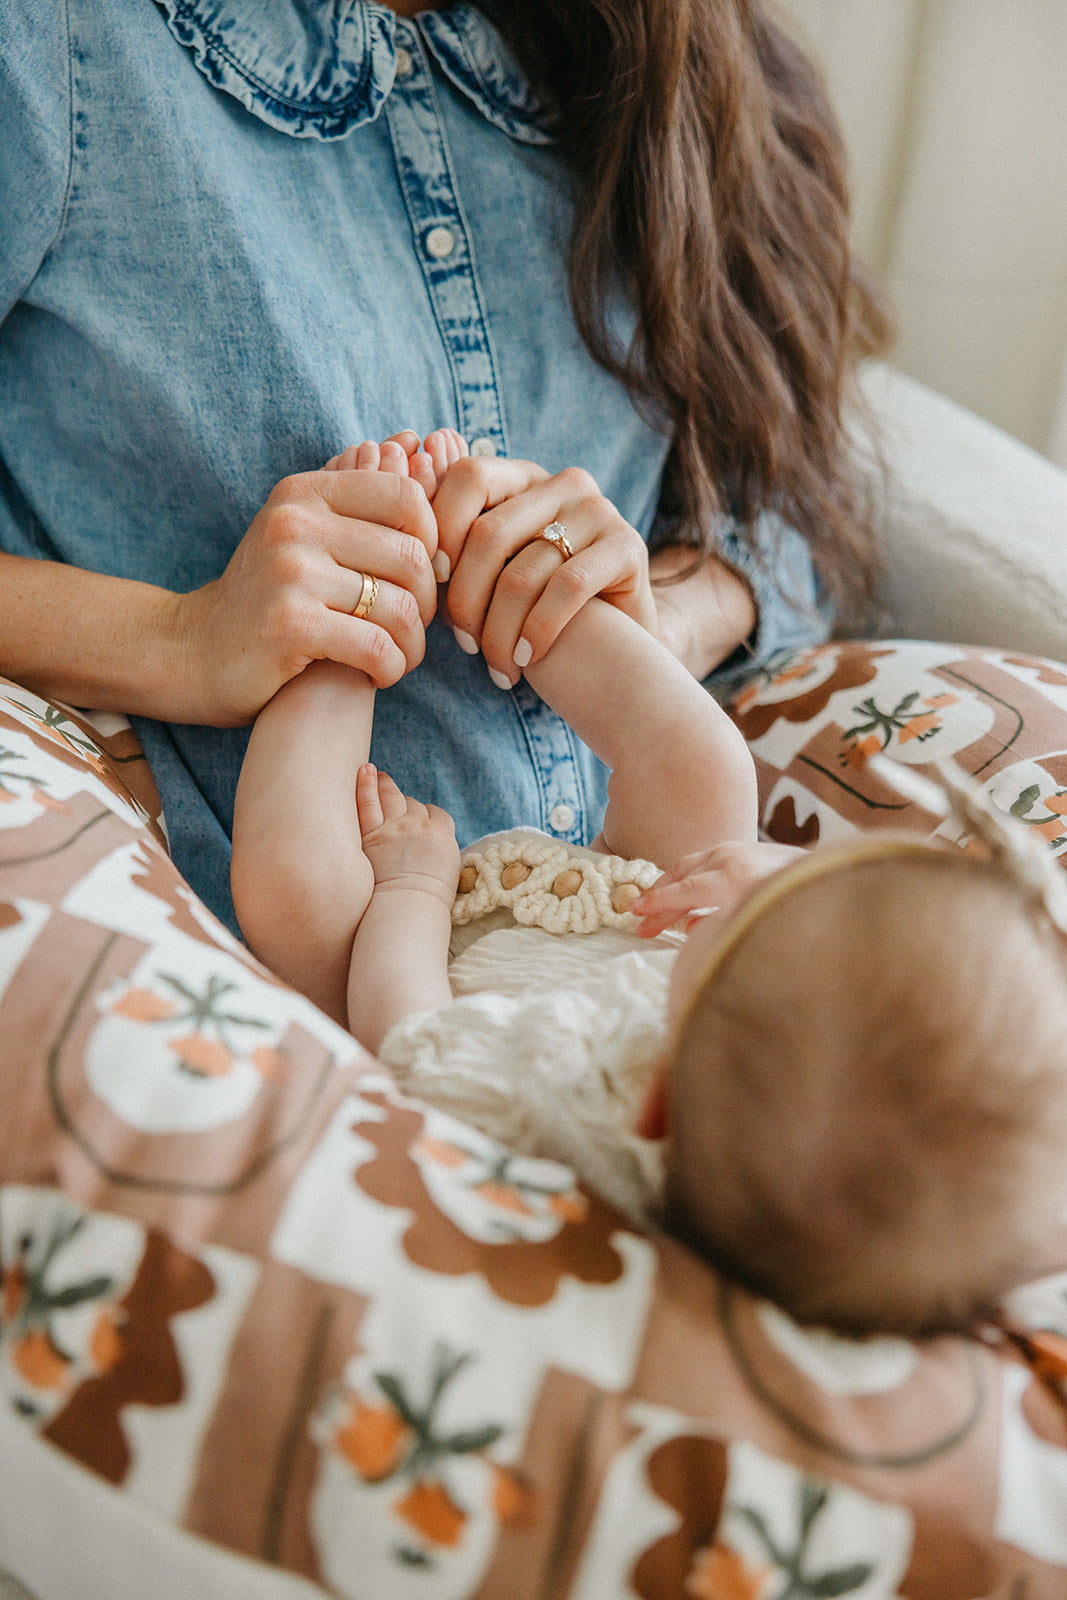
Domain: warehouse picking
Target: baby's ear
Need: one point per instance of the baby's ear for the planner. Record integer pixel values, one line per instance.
(652, 1117)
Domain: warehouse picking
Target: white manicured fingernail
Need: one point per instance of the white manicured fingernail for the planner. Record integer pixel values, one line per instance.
(465, 642)
(523, 654)
(442, 567)
(500, 680)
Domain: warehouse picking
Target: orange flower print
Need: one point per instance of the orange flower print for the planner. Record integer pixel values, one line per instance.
(719, 1573)
(512, 1497)
(143, 1005)
(14, 783)
(35, 1292)
(877, 729)
(856, 754)
(268, 1062)
(430, 1510)
(105, 1341)
(216, 1037)
(571, 1206)
(38, 1360)
(504, 1196)
(403, 1440)
(919, 727)
(446, 1155)
(374, 1439)
(1054, 827)
(201, 1056)
(14, 1291)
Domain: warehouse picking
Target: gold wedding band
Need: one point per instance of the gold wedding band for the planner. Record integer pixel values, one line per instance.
(367, 596)
(556, 535)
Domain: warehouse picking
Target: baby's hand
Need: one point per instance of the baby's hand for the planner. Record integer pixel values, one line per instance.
(710, 882)
(402, 454)
(409, 845)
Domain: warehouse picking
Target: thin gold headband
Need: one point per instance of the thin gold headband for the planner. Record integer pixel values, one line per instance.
(780, 885)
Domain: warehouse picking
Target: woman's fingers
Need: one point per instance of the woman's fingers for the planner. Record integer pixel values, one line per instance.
(472, 486)
(513, 591)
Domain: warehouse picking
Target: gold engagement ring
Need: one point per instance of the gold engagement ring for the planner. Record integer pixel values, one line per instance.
(367, 596)
(556, 535)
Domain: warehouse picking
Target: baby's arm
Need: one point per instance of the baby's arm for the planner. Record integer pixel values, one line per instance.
(400, 951)
(682, 777)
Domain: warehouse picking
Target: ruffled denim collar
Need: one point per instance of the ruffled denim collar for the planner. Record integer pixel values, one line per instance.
(316, 69)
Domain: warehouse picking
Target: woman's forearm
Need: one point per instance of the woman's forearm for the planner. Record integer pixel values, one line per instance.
(704, 616)
(109, 644)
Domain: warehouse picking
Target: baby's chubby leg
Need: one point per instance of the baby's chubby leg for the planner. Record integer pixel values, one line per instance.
(682, 778)
(300, 880)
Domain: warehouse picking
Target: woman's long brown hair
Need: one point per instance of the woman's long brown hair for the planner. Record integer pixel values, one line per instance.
(711, 190)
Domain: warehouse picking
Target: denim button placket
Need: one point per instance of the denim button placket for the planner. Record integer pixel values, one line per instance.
(445, 251)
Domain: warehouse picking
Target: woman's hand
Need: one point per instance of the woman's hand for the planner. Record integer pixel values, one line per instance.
(510, 592)
(288, 592)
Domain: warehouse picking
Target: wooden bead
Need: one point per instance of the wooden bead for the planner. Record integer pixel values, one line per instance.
(567, 883)
(623, 896)
(467, 879)
(514, 873)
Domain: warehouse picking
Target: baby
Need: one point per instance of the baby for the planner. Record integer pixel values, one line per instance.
(862, 1085)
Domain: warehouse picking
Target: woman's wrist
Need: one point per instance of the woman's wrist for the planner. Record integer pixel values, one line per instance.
(705, 615)
(93, 640)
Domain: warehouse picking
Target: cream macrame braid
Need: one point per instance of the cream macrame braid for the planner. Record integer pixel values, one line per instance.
(947, 791)
(545, 883)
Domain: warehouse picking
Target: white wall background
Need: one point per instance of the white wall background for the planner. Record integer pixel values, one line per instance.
(955, 113)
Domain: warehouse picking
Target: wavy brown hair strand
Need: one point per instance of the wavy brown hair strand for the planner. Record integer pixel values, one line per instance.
(711, 191)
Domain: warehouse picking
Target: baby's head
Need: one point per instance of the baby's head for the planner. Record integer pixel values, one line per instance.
(867, 1089)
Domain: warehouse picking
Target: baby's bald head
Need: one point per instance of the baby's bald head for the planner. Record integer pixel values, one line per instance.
(869, 1097)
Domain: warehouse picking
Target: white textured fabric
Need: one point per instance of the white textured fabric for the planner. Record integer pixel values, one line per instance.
(974, 529)
(548, 1046)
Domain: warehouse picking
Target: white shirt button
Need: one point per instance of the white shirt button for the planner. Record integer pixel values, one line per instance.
(483, 447)
(404, 64)
(440, 242)
(561, 819)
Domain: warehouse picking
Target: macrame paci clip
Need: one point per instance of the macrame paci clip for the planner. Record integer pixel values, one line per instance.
(544, 884)
(947, 791)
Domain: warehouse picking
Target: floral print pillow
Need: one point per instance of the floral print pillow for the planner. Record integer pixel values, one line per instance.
(269, 1328)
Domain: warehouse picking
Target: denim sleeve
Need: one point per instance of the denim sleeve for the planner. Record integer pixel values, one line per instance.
(791, 609)
(35, 139)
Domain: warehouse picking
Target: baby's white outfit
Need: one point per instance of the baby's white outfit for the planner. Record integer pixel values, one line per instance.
(550, 1040)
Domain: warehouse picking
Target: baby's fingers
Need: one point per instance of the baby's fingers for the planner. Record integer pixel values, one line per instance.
(368, 805)
(394, 803)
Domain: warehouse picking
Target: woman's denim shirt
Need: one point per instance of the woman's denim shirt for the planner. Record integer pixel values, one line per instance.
(239, 235)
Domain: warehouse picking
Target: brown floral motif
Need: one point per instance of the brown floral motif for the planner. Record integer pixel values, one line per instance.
(400, 1441)
(856, 665)
(783, 828)
(690, 1475)
(10, 916)
(519, 1271)
(142, 1362)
